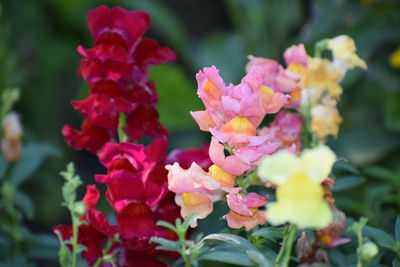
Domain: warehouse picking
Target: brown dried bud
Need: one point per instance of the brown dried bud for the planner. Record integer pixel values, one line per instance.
(12, 127)
(11, 150)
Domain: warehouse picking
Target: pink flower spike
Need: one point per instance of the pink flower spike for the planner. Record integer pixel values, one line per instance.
(296, 54)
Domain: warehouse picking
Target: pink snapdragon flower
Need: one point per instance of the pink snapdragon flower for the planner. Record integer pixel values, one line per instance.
(296, 54)
(243, 159)
(244, 210)
(234, 112)
(196, 190)
(285, 130)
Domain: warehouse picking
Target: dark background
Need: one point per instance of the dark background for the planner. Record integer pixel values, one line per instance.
(38, 43)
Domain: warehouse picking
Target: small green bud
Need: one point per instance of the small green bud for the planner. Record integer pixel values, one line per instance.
(79, 208)
(8, 191)
(368, 251)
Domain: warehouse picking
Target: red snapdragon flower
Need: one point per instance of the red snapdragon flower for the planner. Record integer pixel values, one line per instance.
(116, 69)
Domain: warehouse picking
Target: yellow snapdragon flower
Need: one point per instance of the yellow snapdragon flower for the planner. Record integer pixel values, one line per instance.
(299, 194)
(325, 118)
(394, 58)
(344, 49)
(323, 76)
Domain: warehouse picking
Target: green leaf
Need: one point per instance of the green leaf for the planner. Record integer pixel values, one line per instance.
(177, 97)
(166, 22)
(166, 244)
(243, 244)
(234, 240)
(380, 237)
(347, 182)
(396, 262)
(258, 258)
(3, 167)
(166, 225)
(32, 156)
(392, 110)
(43, 246)
(382, 173)
(233, 257)
(270, 233)
(397, 228)
(345, 166)
(24, 203)
(187, 221)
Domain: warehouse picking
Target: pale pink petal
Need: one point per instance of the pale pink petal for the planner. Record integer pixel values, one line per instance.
(237, 221)
(203, 120)
(238, 204)
(287, 81)
(254, 77)
(230, 164)
(211, 87)
(296, 54)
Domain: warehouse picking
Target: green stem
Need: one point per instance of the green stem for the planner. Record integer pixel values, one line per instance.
(360, 242)
(121, 128)
(106, 256)
(185, 255)
(286, 249)
(75, 247)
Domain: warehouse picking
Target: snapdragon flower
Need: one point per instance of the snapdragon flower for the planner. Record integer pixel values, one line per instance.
(299, 192)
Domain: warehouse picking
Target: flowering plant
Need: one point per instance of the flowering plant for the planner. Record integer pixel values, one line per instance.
(267, 162)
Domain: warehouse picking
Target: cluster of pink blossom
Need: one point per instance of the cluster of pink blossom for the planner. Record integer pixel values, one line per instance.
(233, 116)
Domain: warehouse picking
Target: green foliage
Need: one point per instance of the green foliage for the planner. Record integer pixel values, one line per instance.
(176, 96)
(76, 209)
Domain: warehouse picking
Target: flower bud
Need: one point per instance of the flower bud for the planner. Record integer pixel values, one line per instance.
(10, 150)
(79, 208)
(12, 127)
(368, 251)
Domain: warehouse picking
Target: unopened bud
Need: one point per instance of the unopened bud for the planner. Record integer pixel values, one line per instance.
(368, 251)
(11, 151)
(79, 208)
(12, 127)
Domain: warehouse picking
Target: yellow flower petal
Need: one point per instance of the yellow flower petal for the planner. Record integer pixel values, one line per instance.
(343, 48)
(300, 201)
(317, 163)
(394, 58)
(278, 167)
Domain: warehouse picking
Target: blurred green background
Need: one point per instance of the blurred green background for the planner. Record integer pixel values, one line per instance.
(38, 41)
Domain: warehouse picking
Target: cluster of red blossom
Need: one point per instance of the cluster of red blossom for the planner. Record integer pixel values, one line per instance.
(117, 69)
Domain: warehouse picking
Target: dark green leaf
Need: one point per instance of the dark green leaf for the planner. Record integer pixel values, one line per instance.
(32, 156)
(233, 257)
(3, 167)
(396, 262)
(347, 182)
(258, 258)
(393, 112)
(177, 97)
(344, 166)
(380, 237)
(166, 22)
(43, 246)
(24, 202)
(397, 228)
(234, 240)
(270, 233)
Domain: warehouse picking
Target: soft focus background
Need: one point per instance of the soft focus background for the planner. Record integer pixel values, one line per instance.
(38, 41)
